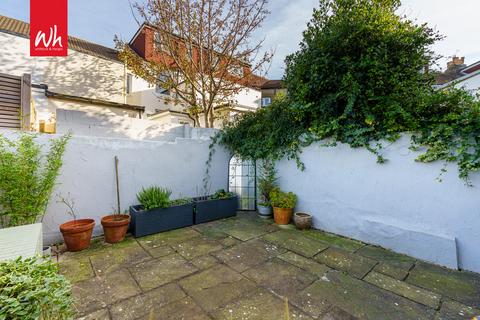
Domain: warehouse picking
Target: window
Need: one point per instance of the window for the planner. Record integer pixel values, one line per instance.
(129, 83)
(266, 101)
(161, 86)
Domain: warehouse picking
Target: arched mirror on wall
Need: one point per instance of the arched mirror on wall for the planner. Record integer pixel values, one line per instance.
(242, 181)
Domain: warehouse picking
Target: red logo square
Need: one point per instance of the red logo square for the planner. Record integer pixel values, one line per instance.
(48, 28)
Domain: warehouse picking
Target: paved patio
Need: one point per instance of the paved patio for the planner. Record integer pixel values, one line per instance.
(247, 268)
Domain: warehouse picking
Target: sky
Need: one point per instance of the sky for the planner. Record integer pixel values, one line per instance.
(99, 20)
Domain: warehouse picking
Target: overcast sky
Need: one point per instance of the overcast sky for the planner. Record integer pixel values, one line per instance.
(99, 20)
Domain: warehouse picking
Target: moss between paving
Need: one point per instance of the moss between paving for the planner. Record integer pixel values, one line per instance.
(460, 286)
(391, 263)
(358, 298)
(296, 242)
(404, 289)
(339, 259)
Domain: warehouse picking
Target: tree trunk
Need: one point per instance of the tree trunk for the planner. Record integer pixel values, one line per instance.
(205, 116)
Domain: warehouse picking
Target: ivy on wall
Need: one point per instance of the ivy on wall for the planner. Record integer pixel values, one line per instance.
(360, 77)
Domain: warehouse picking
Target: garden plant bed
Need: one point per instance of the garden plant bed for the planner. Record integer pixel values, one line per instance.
(207, 209)
(241, 267)
(145, 222)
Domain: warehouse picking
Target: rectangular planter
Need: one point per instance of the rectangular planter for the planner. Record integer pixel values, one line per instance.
(209, 209)
(145, 222)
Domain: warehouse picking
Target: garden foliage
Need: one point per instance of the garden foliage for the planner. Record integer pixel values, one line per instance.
(154, 197)
(27, 177)
(32, 289)
(361, 78)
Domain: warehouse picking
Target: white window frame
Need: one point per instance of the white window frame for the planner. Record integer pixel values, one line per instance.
(266, 101)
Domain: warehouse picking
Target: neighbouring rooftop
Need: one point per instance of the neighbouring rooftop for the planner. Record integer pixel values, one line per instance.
(246, 267)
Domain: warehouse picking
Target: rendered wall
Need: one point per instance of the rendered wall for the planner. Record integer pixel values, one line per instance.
(88, 173)
(398, 205)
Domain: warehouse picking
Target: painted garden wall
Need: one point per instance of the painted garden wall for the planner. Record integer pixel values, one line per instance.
(88, 174)
(398, 205)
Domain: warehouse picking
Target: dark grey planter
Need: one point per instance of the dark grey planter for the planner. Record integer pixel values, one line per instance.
(145, 222)
(214, 209)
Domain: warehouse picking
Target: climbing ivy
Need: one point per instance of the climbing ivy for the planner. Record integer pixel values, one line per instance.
(359, 79)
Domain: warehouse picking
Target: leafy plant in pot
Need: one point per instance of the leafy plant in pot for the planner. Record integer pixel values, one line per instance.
(76, 233)
(283, 204)
(157, 213)
(266, 183)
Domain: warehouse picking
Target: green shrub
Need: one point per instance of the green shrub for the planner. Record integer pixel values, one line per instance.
(27, 177)
(222, 194)
(180, 202)
(154, 197)
(280, 199)
(266, 181)
(33, 289)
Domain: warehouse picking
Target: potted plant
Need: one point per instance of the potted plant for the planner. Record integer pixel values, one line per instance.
(76, 233)
(266, 183)
(220, 205)
(283, 204)
(156, 213)
(115, 227)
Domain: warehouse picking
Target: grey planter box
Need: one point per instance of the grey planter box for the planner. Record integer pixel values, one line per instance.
(214, 209)
(145, 222)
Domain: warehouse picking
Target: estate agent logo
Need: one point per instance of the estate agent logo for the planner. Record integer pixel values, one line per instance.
(48, 28)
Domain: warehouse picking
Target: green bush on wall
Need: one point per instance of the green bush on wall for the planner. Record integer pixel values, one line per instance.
(359, 78)
(32, 289)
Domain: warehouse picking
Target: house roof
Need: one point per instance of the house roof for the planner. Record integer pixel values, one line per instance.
(273, 84)
(471, 68)
(22, 29)
(460, 79)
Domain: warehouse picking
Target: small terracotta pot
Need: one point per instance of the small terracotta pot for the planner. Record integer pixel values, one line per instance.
(115, 227)
(282, 215)
(77, 233)
(302, 220)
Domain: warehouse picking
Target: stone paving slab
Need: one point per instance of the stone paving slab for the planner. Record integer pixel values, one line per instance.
(281, 277)
(358, 298)
(142, 305)
(185, 309)
(216, 286)
(309, 265)
(158, 245)
(246, 230)
(101, 314)
(99, 292)
(296, 242)
(404, 289)
(76, 268)
(227, 269)
(457, 285)
(197, 247)
(340, 259)
(259, 305)
(391, 263)
(121, 255)
(334, 240)
(154, 273)
(248, 254)
(452, 310)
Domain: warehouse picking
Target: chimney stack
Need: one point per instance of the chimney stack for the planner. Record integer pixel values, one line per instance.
(456, 63)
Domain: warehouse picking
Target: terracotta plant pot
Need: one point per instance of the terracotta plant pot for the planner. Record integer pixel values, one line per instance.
(282, 215)
(303, 221)
(77, 233)
(115, 227)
